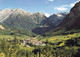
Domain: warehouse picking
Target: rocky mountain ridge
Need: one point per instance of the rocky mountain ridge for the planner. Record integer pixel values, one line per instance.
(21, 19)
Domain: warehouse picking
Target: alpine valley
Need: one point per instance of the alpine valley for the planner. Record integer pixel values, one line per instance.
(25, 34)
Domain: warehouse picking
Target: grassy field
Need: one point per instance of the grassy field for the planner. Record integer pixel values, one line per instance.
(61, 38)
(54, 39)
(10, 37)
(26, 48)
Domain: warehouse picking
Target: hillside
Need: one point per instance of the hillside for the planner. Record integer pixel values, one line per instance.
(4, 30)
(21, 19)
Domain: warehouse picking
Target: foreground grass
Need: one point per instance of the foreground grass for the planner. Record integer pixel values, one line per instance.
(26, 48)
(54, 39)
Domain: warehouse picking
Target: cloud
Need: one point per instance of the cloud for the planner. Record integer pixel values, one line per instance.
(47, 15)
(60, 8)
(72, 4)
(51, 0)
(65, 7)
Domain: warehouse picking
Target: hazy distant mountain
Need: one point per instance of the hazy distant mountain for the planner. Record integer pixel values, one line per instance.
(57, 18)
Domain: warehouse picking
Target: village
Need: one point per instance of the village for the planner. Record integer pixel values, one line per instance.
(32, 42)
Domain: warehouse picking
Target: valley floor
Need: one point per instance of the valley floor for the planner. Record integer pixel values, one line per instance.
(55, 46)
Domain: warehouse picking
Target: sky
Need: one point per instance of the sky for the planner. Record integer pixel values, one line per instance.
(48, 7)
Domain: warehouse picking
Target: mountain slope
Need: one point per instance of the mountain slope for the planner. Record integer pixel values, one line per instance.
(4, 30)
(57, 18)
(20, 19)
(35, 22)
(50, 23)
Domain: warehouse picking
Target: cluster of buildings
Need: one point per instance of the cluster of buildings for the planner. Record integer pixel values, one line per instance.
(33, 42)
